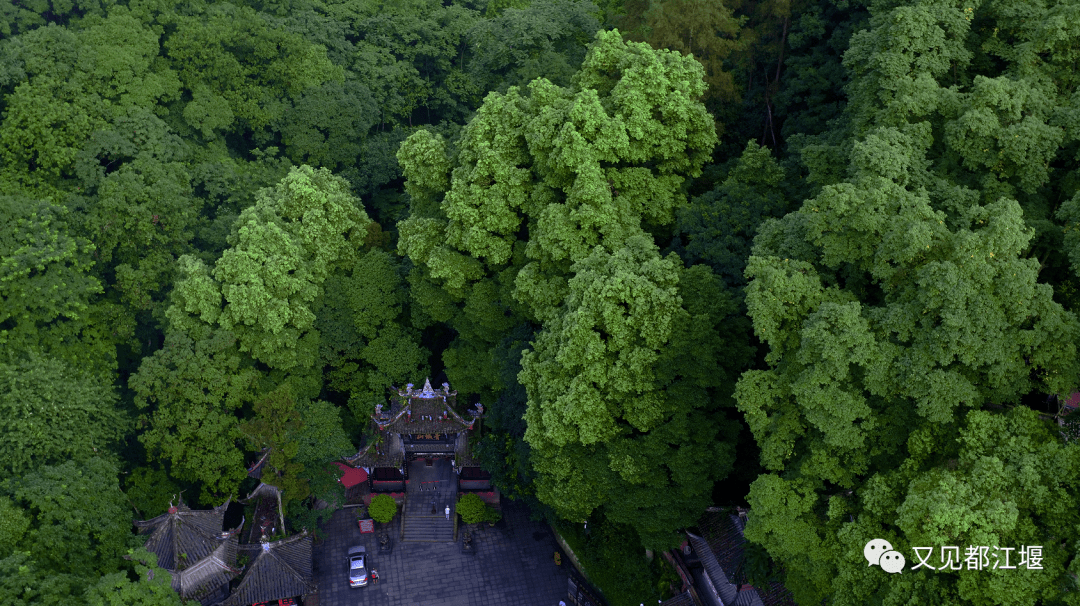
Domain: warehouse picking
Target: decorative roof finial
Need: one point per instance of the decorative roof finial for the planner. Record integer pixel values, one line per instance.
(428, 391)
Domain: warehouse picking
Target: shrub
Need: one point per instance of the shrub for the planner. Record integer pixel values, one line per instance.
(471, 509)
(382, 508)
(491, 514)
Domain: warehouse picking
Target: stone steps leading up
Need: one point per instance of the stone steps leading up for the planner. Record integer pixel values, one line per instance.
(428, 529)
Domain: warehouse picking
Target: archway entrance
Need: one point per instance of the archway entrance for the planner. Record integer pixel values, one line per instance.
(433, 475)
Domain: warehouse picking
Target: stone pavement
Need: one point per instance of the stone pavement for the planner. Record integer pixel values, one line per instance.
(513, 566)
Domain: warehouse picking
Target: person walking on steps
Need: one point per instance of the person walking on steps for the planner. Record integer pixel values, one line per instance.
(447, 512)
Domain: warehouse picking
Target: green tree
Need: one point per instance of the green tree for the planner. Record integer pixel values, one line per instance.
(13, 526)
(382, 508)
(411, 54)
(152, 586)
(623, 396)
(150, 491)
(192, 391)
(46, 292)
(69, 83)
(471, 509)
(706, 30)
(282, 250)
(320, 438)
(887, 312)
(26, 582)
(74, 508)
(545, 39)
(585, 172)
(274, 426)
(720, 225)
(546, 163)
(238, 69)
(367, 341)
(54, 413)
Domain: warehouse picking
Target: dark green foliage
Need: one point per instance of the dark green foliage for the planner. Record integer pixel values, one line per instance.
(544, 39)
(720, 225)
(73, 508)
(614, 560)
(150, 491)
(45, 287)
(141, 583)
(54, 413)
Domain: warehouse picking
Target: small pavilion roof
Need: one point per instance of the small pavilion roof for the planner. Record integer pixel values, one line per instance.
(182, 530)
(281, 569)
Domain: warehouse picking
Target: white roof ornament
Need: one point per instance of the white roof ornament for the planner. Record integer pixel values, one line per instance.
(428, 391)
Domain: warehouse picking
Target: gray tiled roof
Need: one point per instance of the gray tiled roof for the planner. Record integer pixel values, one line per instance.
(387, 454)
(265, 490)
(209, 573)
(722, 530)
(721, 587)
(281, 569)
(748, 597)
(196, 534)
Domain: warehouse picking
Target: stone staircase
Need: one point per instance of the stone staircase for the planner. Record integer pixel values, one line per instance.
(420, 525)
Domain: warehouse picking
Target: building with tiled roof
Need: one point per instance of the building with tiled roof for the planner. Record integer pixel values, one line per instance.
(275, 571)
(711, 564)
(417, 423)
(207, 580)
(191, 545)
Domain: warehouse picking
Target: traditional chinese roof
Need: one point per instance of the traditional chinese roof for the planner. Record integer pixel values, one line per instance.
(351, 476)
(277, 570)
(255, 471)
(388, 453)
(723, 543)
(423, 411)
(181, 530)
(412, 411)
(263, 490)
(208, 574)
(716, 581)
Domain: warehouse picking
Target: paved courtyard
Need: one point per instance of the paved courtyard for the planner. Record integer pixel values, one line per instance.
(513, 566)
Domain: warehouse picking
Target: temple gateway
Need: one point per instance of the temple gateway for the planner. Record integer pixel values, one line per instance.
(420, 425)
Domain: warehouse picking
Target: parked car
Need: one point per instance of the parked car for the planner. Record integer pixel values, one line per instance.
(358, 575)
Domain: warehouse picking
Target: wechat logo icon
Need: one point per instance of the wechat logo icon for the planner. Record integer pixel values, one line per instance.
(879, 552)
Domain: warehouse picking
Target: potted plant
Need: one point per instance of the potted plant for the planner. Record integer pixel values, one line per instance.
(491, 515)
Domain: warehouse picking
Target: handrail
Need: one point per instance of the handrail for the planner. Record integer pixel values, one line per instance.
(404, 504)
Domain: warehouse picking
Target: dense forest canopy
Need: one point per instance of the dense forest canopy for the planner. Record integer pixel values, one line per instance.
(817, 258)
